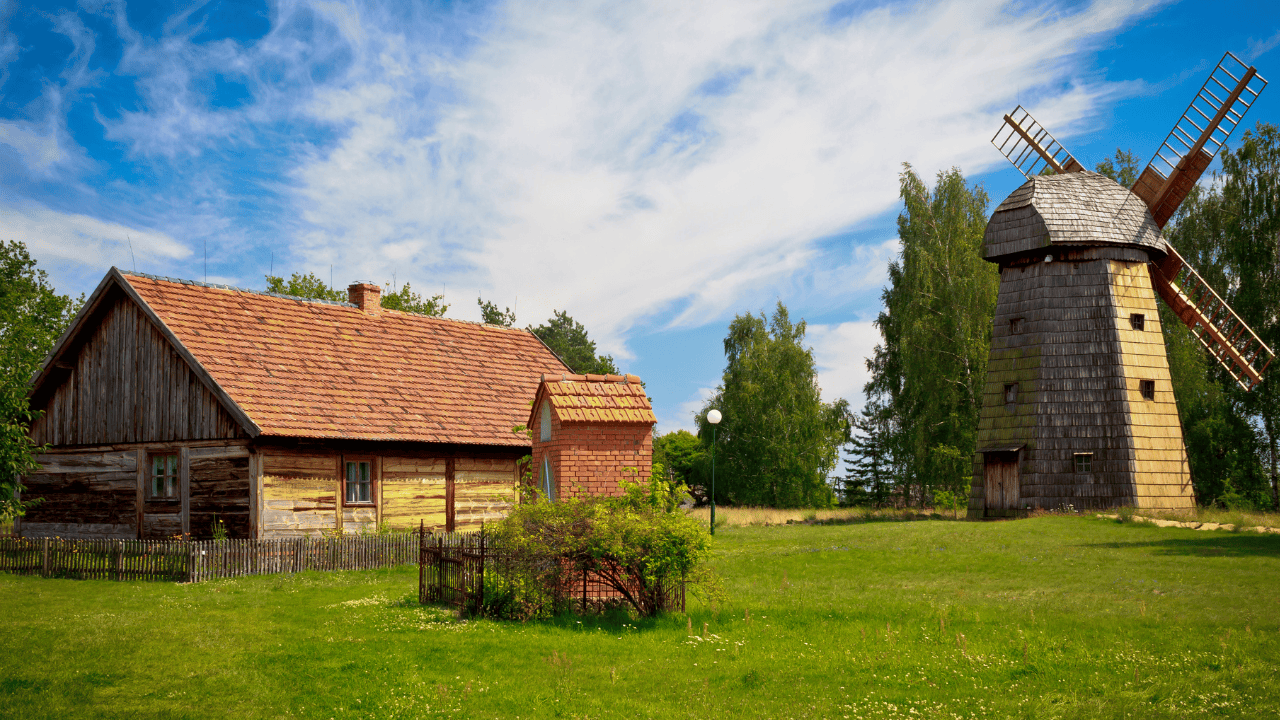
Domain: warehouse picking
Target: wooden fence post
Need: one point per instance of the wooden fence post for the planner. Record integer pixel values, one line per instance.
(422, 563)
(44, 566)
(119, 559)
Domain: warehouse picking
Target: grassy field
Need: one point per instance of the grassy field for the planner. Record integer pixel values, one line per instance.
(1049, 617)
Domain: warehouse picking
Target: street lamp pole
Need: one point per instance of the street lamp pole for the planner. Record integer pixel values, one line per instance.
(713, 417)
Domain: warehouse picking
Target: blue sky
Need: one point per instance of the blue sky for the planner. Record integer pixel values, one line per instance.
(652, 168)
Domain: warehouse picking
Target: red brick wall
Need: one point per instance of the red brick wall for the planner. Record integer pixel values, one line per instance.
(591, 458)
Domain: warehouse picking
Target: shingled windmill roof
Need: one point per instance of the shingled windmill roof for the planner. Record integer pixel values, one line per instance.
(1079, 209)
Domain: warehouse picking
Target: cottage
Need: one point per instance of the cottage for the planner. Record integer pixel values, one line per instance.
(170, 405)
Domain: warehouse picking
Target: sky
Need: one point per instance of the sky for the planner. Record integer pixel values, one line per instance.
(652, 168)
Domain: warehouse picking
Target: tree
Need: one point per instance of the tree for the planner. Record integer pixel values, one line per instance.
(682, 454)
(1121, 167)
(870, 479)
(406, 300)
(304, 286)
(32, 317)
(493, 316)
(778, 441)
(930, 366)
(568, 339)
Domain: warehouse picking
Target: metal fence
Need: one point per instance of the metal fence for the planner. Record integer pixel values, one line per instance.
(193, 561)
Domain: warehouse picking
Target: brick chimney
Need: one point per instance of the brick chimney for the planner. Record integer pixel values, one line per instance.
(366, 296)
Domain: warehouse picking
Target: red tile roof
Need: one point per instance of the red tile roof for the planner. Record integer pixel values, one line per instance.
(328, 370)
(595, 399)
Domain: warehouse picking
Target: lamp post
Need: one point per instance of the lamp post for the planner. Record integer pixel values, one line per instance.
(713, 417)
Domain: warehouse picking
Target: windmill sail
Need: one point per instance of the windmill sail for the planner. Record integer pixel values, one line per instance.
(1195, 139)
(1164, 184)
(1212, 321)
(1030, 147)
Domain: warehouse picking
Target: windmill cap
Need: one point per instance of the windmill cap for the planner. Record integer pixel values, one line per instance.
(1080, 209)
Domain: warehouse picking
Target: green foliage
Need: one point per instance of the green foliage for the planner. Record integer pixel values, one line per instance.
(871, 478)
(493, 316)
(683, 456)
(929, 369)
(1123, 167)
(219, 529)
(778, 441)
(32, 318)
(568, 339)
(406, 300)
(639, 544)
(304, 286)
(1228, 232)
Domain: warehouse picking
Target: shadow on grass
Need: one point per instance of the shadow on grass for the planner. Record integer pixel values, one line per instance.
(1217, 544)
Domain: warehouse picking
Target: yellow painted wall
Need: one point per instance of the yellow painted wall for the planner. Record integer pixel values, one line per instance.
(413, 490)
(483, 491)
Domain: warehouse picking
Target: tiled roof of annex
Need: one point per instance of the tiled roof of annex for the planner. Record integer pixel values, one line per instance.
(317, 369)
(595, 398)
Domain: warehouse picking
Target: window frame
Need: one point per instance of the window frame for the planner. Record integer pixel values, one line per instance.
(173, 478)
(1082, 463)
(1015, 325)
(547, 484)
(346, 483)
(544, 421)
(1138, 321)
(1147, 389)
(1010, 393)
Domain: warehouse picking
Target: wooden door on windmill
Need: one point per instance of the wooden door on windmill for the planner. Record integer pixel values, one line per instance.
(1001, 480)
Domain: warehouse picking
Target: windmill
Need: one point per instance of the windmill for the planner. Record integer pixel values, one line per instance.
(1078, 408)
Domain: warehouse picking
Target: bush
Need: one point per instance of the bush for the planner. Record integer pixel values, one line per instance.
(639, 545)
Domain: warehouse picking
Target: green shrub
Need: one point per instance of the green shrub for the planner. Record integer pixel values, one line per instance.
(639, 544)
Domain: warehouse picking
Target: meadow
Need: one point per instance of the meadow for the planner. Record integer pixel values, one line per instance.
(1047, 617)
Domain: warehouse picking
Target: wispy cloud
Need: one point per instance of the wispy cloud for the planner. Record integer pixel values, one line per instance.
(84, 239)
(660, 162)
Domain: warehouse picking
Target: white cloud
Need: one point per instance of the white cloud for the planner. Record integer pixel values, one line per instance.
(84, 240)
(840, 353)
(683, 419)
(663, 161)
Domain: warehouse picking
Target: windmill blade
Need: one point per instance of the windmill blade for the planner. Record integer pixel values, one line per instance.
(1211, 320)
(1031, 149)
(1197, 136)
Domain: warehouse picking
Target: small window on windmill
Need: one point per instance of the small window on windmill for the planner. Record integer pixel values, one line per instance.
(1010, 393)
(1148, 389)
(1138, 321)
(1015, 326)
(544, 426)
(1084, 462)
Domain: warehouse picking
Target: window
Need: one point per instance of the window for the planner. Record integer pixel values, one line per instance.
(1011, 393)
(164, 476)
(359, 484)
(1138, 321)
(544, 427)
(548, 483)
(1084, 462)
(1148, 389)
(1015, 326)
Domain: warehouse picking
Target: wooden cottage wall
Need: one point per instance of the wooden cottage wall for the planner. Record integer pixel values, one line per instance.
(302, 492)
(103, 493)
(126, 384)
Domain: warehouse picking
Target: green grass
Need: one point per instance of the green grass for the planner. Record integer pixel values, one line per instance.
(1050, 617)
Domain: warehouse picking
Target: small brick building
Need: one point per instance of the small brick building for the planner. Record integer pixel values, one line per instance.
(589, 433)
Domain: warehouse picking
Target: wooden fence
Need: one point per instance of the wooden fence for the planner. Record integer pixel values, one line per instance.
(193, 561)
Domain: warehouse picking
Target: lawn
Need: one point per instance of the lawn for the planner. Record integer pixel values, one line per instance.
(1048, 617)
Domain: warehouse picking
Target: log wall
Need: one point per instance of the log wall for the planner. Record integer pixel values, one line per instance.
(102, 493)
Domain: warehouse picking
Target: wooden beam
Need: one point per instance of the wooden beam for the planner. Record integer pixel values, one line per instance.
(184, 481)
(142, 487)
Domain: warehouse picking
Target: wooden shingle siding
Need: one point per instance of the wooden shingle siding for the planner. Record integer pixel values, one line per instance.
(128, 385)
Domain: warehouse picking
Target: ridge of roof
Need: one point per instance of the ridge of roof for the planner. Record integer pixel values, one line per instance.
(233, 288)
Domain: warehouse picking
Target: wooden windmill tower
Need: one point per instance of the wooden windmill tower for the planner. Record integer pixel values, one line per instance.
(1078, 407)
